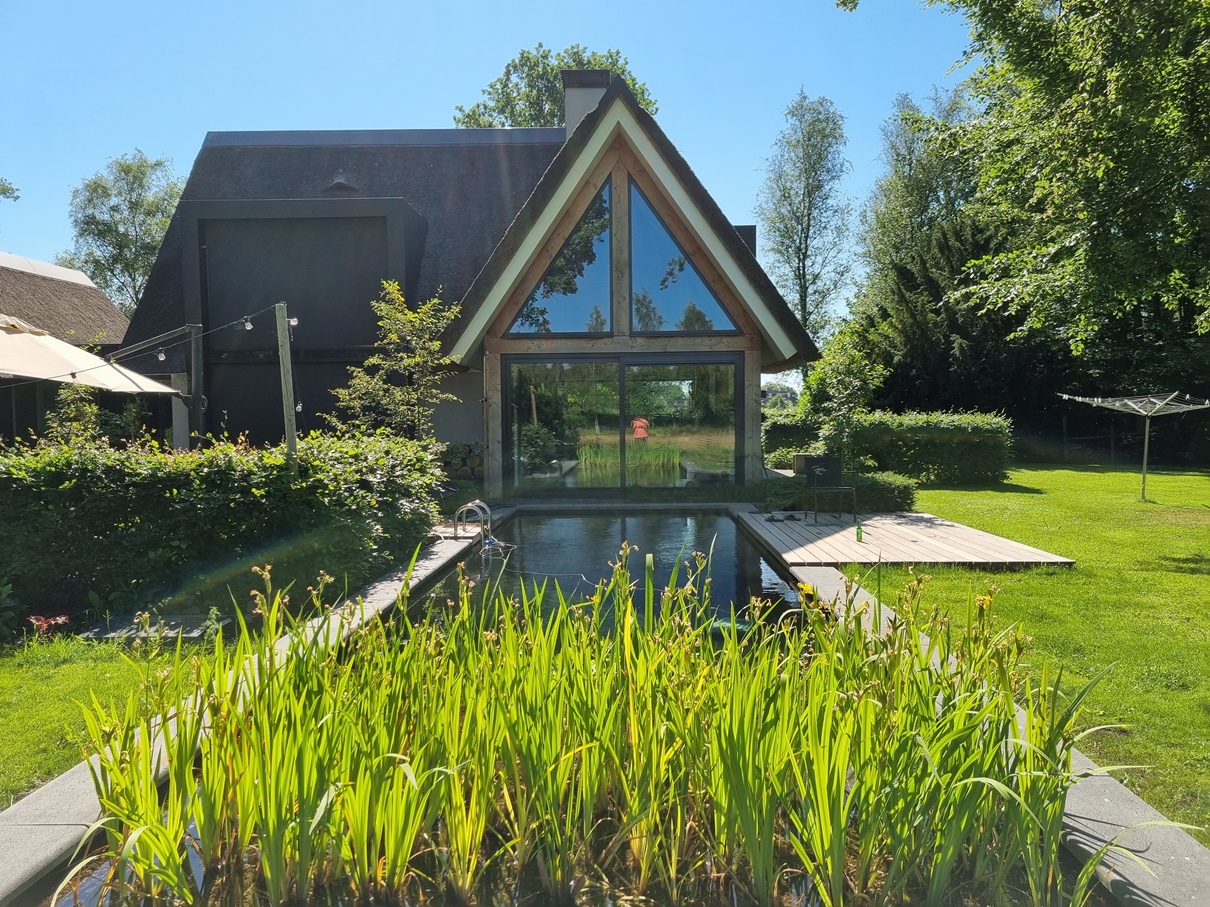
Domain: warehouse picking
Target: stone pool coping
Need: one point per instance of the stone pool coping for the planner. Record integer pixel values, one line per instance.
(39, 833)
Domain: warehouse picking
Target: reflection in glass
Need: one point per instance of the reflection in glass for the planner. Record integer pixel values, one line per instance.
(564, 418)
(680, 425)
(666, 291)
(573, 296)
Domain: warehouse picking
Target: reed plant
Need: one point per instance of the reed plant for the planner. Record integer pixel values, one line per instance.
(637, 739)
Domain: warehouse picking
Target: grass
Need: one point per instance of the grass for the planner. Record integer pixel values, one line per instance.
(42, 688)
(1137, 600)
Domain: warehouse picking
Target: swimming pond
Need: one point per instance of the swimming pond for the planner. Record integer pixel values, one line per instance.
(576, 552)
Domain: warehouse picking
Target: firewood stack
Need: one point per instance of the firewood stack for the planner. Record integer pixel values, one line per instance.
(463, 461)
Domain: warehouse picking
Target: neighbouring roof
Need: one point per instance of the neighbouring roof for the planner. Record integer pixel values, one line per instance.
(61, 301)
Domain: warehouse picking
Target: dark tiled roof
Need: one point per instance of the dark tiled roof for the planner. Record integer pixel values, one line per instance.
(73, 309)
(467, 184)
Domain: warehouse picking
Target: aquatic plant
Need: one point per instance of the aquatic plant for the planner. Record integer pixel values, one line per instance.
(630, 741)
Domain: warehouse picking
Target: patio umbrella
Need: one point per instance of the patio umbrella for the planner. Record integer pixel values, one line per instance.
(30, 353)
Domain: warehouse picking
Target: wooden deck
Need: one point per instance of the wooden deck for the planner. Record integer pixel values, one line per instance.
(892, 538)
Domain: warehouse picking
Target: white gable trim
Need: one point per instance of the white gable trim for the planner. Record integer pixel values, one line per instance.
(620, 119)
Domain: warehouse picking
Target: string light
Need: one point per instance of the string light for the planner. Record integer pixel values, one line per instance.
(159, 354)
(298, 407)
(293, 322)
(247, 323)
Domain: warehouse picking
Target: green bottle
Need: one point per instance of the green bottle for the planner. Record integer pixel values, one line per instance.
(859, 530)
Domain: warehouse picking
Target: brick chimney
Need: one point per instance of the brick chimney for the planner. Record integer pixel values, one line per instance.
(582, 91)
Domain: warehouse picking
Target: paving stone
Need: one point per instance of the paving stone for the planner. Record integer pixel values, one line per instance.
(30, 853)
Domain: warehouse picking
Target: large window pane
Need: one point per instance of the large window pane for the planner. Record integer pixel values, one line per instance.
(667, 294)
(564, 425)
(573, 296)
(680, 425)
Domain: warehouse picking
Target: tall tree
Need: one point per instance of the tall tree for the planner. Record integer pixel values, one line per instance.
(119, 216)
(530, 91)
(1092, 145)
(937, 348)
(803, 211)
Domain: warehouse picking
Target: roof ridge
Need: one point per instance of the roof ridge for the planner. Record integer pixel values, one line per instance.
(44, 269)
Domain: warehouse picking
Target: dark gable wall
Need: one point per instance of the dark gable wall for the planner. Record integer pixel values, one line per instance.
(325, 269)
(262, 221)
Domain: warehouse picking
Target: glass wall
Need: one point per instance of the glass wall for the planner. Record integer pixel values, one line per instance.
(564, 421)
(608, 423)
(573, 295)
(680, 425)
(667, 294)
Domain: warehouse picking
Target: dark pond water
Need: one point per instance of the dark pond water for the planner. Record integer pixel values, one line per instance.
(577, 552)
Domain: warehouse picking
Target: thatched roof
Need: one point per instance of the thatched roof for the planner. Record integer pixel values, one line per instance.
(62, 302)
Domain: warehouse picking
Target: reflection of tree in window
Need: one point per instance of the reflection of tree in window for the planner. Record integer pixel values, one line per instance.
(566, 276)
(694, 319)
(647, 315)
(675, 267)
(596, 321)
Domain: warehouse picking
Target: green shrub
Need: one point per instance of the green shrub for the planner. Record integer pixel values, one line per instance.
(877, 492)
(789, 429)
(937, 448)
(538, 445)
(82, 523)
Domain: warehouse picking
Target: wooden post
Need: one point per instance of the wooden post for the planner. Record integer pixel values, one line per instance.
(493, 427)
(287, 386)
(197, 423)
(753, 465)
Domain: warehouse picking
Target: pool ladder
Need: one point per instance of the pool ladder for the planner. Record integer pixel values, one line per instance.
(483, 516)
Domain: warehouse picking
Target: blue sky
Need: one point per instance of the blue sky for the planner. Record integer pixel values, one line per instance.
(88, 81)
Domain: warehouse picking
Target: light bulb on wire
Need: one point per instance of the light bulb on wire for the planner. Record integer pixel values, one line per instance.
(247, 323)
(159, 354)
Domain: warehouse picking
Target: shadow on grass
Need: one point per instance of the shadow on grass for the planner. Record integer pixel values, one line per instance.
(1002, 487)
(1197, 564)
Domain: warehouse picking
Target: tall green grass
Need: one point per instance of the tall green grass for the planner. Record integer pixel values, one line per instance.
(627, 742)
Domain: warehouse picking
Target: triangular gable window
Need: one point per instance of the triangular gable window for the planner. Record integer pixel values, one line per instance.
(667, 294)
(573, 296)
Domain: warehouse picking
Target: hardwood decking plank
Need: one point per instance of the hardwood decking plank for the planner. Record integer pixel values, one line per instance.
(895, 538)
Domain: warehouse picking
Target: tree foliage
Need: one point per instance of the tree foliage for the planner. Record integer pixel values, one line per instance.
(530, 90)
(399, 384)
(803, 212)
(8, 190)
(938, 348)
(119, 216)
(1091, 147)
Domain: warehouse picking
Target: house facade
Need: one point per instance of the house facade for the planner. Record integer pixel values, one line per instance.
(612, 326)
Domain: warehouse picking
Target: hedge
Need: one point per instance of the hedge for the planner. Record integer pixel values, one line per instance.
(937, 448)
(877, 492)
(83, 524)
(787, 429)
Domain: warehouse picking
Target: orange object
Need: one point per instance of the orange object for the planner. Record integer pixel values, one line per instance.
(640, 426)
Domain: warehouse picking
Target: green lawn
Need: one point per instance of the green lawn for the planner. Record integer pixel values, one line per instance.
(1138, 599)
(41, 687)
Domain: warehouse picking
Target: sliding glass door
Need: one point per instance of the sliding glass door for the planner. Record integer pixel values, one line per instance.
(563, 418)
(680, 423)
(624, 421)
